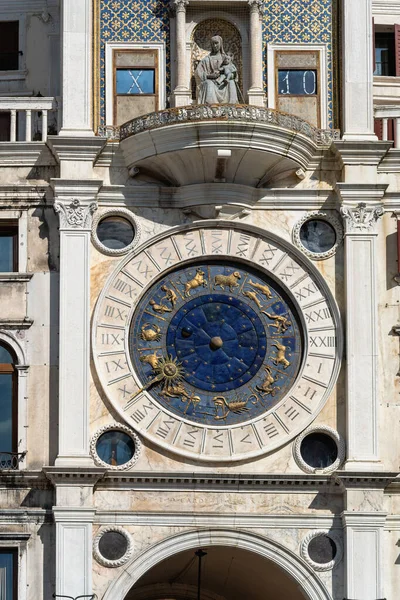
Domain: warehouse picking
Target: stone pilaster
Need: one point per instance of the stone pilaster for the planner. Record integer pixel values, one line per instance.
(256, 94)
(76, 63)
(360, 220)
(358, 70)
(181, 93)
(75, 205)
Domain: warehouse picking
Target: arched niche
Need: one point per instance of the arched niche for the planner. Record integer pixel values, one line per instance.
(200, 44)
(291, 565)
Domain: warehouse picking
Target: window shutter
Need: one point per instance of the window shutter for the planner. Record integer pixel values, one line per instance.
(397, 48)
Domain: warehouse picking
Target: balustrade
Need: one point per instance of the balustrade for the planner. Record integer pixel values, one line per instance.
(29, 107)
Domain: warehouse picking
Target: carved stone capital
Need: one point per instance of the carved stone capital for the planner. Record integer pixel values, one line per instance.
(362, 217)
(256, 5)
(179, 5)
(74, 214)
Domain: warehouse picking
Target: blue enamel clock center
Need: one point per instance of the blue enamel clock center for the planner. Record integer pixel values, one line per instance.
(217, 344)
(220, 341)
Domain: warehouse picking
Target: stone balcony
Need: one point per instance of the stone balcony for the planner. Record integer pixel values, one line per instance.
(221, 143)
(24, 112)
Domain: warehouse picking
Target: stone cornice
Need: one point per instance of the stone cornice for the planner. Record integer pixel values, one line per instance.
(355, 193)
(23, 479)
(215, 482)
(76, 148)
(376, 481)
(25, 154)
(18, 277)
(70, 477)
(350, 153)
(17, 324)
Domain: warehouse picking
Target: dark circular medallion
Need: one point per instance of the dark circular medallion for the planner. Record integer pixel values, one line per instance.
(319, 450)
(217, 343)
(113, 545)
(115, 448)
(322, 549)
(317, 236)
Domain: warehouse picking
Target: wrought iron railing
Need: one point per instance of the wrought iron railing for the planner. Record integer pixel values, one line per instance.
(221, 112)
(11, 460)
(88, 597)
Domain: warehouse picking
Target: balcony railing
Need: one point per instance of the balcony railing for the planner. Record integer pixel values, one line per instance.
(220, 112)
(11, 460)
(30, 107)
(390, 116)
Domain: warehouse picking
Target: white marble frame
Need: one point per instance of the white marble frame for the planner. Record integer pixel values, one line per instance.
(197, 18)
(22, 385)
(340, 443)
(115, 427)
(18, 541)
(109, 58)
(116, 212)
(330, 218)
(105, 561)
(305, 577)
(332, 344)
(323, 71)
(321, 566)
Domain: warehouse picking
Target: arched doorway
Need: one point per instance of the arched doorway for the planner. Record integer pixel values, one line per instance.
(226, 574)
(238, 565)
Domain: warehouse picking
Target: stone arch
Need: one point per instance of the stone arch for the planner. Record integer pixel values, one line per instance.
(200, 44)
(289, 563)
(9, 340)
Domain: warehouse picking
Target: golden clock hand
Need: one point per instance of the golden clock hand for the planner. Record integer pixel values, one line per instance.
(156, 379)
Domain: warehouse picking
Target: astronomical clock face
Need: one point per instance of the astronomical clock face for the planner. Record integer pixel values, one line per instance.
(216, 344)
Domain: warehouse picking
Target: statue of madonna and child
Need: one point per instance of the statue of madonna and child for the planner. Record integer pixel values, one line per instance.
(218, 76)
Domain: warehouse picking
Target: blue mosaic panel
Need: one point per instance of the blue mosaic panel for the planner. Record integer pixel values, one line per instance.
(284, 21)
(216, 343)
(133, 21)
(301, 22)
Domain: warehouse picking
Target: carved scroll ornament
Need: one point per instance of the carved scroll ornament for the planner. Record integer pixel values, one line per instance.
(361, 217)
(75, 215)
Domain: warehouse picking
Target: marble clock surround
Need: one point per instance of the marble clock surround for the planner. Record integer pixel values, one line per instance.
(248, 247)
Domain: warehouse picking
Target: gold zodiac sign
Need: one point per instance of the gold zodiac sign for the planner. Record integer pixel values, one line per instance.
(264, 289)
(253, 296)
(280, 358)
(197, 281)
(151, 359)
(176, 390)
(237, 407)
(281, 323)
(229, 281)
(159, 308)
(152, 334)
(266, 386)
(169, 295)
(168, 370)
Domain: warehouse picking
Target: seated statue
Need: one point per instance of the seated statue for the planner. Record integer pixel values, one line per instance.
(218, 76)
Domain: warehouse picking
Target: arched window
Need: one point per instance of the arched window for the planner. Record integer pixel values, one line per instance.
(8, 409)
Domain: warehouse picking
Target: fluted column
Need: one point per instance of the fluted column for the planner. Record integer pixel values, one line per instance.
(256, 92)
(181, 92)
